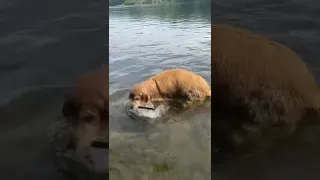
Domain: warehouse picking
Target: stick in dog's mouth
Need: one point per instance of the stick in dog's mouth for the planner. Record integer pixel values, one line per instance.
(143, 107)
(100, 144)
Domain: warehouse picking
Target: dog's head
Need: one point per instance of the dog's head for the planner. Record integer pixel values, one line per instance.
(89, 123)
(141, 97)
(87, 111)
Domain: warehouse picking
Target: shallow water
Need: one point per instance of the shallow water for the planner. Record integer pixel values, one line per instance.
(176, 149)
(144, 41)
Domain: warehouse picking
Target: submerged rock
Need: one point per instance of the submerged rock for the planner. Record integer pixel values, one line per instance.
(148, 114)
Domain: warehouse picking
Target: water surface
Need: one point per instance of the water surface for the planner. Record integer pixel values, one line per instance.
(44, 46)
(143, 41)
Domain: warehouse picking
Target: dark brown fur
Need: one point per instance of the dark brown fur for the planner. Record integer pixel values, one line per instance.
(264, 84)
(87, 109)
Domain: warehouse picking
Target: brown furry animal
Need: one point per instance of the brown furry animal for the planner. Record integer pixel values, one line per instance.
(266, 84)
(170, 85)
(88, 111)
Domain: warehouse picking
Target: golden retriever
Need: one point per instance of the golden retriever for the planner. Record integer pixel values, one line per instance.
(88, 111)
(169, 85)
(270, 82)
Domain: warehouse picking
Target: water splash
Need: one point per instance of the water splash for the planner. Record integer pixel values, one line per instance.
(145, 114)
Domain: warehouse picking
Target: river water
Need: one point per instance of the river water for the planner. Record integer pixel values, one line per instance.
(44, 46)
(143, 41)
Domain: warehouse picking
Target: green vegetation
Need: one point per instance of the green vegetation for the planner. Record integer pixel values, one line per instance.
(162, 167)
(132, 2)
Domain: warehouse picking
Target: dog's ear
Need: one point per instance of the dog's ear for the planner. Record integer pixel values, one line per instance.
(70, 107)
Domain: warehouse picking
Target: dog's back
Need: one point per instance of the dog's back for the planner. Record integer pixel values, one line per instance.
(246, 62)
(261, 88)
(180, 79)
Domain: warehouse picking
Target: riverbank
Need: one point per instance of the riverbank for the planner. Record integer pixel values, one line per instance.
(140, 2)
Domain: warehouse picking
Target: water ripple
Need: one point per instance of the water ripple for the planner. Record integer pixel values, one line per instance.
(144, 42)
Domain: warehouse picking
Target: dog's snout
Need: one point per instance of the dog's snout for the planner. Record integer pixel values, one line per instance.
(134, 104)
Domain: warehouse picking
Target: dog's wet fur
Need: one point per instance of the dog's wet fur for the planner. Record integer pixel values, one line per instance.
(262, 89)
(170, 86)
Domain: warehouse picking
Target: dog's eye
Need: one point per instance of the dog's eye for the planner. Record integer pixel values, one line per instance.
(130, 96)
(137, 98)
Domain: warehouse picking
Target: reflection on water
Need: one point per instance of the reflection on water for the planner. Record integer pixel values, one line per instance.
(44, 46)
(143, 41)
(295, 23)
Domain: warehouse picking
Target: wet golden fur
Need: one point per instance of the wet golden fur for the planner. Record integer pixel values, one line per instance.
(87, 109)
(170, 85)
(262, 80)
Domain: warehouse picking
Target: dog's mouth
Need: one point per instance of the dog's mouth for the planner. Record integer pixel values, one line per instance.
(95, 144)
(144, 107)
(100, 144)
